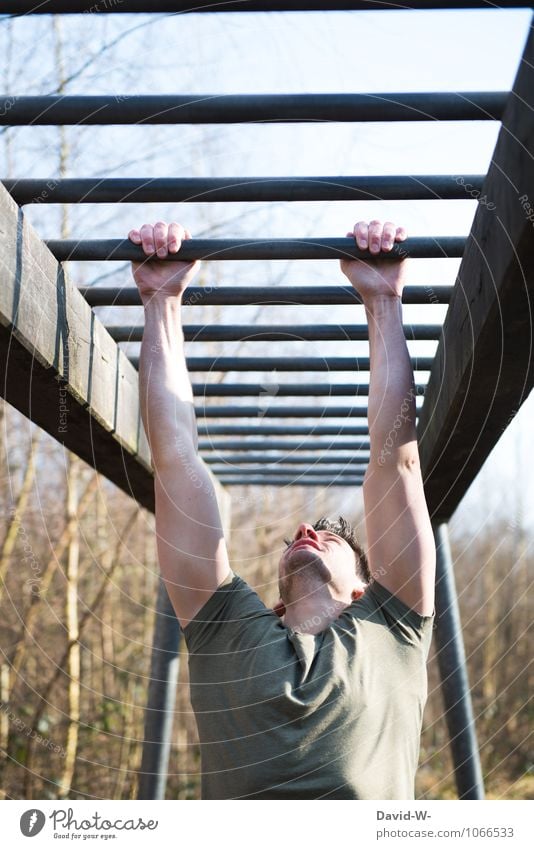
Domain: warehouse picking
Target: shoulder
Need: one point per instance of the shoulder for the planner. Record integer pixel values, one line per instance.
(379, 610)
(232, 610)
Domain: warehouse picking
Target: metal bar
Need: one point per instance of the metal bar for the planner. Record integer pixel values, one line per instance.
(242, 189)
(248, 108)
(286, 412)
(128, 296)
(284, 390)
(276, 333)
(286, 364)
(282, 445)
(245, 249)
(265, 480)
(159, 712)
(40, 7)
(289, 473)
(282, 430)
(238, 459)
(454, 682)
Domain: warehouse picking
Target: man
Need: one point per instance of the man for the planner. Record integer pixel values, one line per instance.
(322, 697)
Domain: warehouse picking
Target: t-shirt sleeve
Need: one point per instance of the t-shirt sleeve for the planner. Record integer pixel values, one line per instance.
(408, 625)
(234, 612)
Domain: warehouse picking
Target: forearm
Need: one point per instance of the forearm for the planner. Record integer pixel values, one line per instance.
(166, 396)
(391, 410)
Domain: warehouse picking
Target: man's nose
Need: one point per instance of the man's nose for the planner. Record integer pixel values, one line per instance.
(305, 530)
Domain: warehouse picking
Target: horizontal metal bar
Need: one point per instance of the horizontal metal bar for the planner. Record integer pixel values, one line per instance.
(284, 390)
(276, 333)
(128, 296)
(283, 445)
(266, 480)
(245, 108)
(253, 249)
(286, 364)
(40, 7)
(241, 189)
(282, 430)
(290, 474)
(286, 412)
(286, 459)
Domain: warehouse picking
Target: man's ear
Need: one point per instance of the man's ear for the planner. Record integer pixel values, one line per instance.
(357, 593)
(279, 608)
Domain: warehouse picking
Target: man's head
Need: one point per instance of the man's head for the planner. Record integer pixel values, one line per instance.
(325, 553)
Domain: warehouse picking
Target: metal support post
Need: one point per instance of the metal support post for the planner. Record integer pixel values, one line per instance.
(161, 699)
(452, 667)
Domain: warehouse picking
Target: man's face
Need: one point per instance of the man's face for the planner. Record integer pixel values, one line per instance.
(320, 555)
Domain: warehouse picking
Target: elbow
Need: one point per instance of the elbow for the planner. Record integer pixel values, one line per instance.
(402, 462)
(409, 462)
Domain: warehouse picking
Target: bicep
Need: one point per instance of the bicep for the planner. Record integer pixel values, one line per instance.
(401, 547)
(191, 547)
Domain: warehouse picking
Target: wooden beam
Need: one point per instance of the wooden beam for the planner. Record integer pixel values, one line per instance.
(61, 368)
(484, 366)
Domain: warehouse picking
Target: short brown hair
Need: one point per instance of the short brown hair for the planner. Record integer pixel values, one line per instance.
(344, 529)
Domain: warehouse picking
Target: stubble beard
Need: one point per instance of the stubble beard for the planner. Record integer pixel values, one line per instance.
(304, 572)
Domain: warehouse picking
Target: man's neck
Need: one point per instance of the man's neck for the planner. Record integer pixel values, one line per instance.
(313, 612)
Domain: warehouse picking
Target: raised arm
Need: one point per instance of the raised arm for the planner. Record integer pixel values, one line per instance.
(401, 548)
(191, 548)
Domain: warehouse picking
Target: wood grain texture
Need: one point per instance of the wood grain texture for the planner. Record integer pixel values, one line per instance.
(483, 369)
(60, 367)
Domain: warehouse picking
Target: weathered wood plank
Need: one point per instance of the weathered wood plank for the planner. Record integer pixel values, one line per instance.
(61, 368)
(484, 366)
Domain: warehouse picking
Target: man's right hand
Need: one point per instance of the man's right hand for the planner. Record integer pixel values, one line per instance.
(161, 278)
(376, 276)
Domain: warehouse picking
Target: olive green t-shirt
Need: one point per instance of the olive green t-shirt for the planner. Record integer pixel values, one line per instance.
(288, 715)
